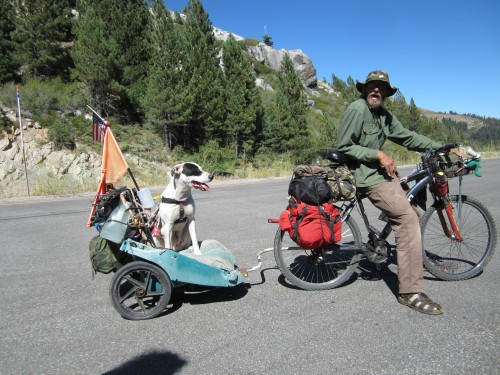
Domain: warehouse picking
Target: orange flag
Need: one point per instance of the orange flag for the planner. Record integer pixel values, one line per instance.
(113, 168)
(114, 165)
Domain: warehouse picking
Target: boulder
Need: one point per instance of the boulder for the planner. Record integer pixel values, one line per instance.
(304, 67)
(4, 144)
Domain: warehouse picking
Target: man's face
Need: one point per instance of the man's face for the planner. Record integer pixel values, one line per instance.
(375, 92)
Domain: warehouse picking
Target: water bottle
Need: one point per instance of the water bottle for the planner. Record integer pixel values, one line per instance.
(473, 153)
(115, 227)
(440, 184)
(146, 198)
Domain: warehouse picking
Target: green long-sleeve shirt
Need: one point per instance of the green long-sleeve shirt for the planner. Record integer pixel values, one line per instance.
(362, 134)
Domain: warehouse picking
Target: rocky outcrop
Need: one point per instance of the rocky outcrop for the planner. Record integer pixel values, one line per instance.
(47, 166)
(224, 35)
(272, 58)
(43, 162)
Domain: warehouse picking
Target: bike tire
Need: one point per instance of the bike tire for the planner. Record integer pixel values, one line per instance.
(452, 260)
(303, 269)
(140, 290)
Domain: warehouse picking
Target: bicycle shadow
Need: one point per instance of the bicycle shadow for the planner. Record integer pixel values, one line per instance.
(369, 271)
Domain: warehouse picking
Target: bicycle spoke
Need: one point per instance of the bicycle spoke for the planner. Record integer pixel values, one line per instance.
(450, 259)
(323, 268)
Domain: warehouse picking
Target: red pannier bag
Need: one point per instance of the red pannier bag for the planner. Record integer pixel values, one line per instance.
(311, 226)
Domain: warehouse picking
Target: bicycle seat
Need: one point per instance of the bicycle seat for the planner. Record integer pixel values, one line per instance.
(335, 156)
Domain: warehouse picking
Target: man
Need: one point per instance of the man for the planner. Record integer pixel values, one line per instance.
(363, 130)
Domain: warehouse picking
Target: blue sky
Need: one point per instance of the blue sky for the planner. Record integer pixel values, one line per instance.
(444, 54)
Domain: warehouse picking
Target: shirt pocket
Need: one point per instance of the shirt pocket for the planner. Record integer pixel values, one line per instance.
(370, 128)
(370, 135)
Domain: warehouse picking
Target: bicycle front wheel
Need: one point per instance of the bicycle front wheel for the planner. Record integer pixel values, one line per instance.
(323, 268)
(450, 259)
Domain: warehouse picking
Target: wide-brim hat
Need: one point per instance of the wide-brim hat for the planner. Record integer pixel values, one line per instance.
(377, 75)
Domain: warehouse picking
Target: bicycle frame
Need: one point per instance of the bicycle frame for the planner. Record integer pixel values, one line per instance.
(422, 178)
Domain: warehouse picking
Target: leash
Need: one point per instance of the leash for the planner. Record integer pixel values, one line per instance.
(245, 271)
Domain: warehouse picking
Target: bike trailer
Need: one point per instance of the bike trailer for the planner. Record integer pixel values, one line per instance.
(215, 268)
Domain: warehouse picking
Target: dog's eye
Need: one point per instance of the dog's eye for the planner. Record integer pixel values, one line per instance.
(191, 169)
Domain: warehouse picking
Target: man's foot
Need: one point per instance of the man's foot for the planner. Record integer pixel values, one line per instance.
(420, 302)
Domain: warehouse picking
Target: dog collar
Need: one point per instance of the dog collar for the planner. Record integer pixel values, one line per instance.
(170, 200)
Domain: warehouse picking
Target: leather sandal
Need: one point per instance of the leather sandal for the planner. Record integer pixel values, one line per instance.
(420, 302)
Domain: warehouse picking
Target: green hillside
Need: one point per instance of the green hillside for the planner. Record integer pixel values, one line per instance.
(159, 80)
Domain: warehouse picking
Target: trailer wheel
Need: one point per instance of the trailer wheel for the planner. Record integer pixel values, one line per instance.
(140, 290)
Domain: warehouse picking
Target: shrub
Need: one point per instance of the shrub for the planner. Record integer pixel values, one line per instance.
(43, 97)
(249, 42)
(62, 134)
(216, 159)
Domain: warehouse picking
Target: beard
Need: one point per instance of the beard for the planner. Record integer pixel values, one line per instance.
(374, 100)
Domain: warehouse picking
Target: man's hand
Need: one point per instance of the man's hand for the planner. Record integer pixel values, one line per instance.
(387, 162)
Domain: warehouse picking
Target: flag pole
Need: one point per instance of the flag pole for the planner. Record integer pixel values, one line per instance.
(133, 179)
(18, 96)
(97, 114)
(128, 169)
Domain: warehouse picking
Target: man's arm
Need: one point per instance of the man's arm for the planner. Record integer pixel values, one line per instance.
(407, 138)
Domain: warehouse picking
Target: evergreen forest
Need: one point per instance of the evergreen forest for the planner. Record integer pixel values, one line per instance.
(171, 90)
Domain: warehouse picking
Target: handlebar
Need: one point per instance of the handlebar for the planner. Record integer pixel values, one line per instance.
(447, 147)
(432, 160)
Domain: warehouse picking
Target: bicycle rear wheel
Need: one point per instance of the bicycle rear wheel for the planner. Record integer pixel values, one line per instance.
(450, 259)
(323, 268)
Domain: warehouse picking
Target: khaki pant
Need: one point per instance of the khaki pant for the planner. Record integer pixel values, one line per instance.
(390, 198)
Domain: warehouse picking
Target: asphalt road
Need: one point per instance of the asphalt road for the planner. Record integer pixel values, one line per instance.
(57, 319)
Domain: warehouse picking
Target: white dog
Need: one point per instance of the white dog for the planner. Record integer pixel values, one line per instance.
(177, 207)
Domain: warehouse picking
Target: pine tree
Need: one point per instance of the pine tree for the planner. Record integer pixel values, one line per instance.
(286, 128)
(6, 46)
(42, 27)
(414, 117)
(128, 25)
(346, 89)
(398, 106)
(165, 102)
(327, 137)
(113, 35)
(206, 84)
(96, 58)
(268, 40)
(243, 101)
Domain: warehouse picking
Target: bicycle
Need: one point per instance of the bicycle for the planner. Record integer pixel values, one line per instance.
(458, 232)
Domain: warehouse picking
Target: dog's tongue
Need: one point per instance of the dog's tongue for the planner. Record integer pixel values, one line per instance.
(200, 186)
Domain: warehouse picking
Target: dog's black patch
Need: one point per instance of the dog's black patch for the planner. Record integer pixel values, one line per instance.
(190, 169)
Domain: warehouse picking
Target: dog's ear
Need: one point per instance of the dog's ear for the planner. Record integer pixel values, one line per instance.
(176, 170)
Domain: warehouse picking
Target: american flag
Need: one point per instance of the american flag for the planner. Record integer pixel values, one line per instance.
(98, 128)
